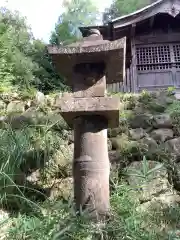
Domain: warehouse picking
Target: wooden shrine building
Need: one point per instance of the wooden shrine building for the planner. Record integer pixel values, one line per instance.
(152, 46)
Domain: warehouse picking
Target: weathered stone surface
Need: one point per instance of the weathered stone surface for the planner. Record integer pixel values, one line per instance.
(150, 143)
(162, 121)
(29, 117)
(16, 106)
(155, 183)
(109, 144)
(162, 134)
(34, 177)
(49, 100)
(62, 189)
(39, 98)
(114, 132)
(125, 146)
(103, 106)
(110, 52)
(137, 133)
(141, 121)
(160, 203)
(173, 146)
(114, 156)
(64, 156)
(117, 142)
(91, 166)
(163, 98)
(97, 89)
(177, 96)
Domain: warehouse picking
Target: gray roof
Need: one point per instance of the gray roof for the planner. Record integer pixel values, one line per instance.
(171, 7)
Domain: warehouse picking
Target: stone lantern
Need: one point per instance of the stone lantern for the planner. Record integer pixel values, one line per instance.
(87, 66)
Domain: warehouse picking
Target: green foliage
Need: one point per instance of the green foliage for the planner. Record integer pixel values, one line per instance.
(59, 221)
(145, 173)
(24, 62)
(77, 13)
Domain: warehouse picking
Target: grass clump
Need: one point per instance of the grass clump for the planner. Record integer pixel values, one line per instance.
(59, 221)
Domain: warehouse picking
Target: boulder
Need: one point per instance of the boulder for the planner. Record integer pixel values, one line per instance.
(62, 189)
(60, 164)
(173, 146)
(39, 98)
(137, 133)
(122, 142)
(150, 144)
(162, 134)
(34, 177)
(160, 203)
(163, 98)
(64, 155)
(16, 107)
(114, 156)
(162, 121)
(50, 101)
(141, 121)
(114, 132)
(149, 178)
(29, 117)
(109, 144)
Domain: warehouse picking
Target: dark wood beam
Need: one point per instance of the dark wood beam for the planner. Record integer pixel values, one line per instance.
(133, 29)
(151, 22)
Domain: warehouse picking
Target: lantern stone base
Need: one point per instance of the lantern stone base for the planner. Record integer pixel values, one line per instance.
(108, 107)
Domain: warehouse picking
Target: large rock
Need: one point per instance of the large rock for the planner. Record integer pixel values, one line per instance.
(39, 98)
(60, 164)
(122, 142)
(149, 178)
(50, 101)
(114, 132)
(160, 203)
(162, 134)
(29, 117)
(141, 121)
(62, 189)
(149, 144)
(16, 107)
(137, 133)
(164, 98)
(114, 157)
(173, 146)
(162, 121)
(109, 143)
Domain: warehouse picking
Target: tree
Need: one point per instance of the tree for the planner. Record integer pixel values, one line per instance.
(77, 13)
(16, 67)
(24, 61)
(123, 7)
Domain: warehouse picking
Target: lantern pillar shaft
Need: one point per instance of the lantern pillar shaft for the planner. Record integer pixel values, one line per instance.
(91, 165)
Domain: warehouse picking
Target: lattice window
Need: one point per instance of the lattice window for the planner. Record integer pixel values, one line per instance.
(151, 58)
(176, 51)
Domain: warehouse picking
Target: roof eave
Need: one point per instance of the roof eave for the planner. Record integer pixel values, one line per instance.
(136, 12)
(160, 6)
